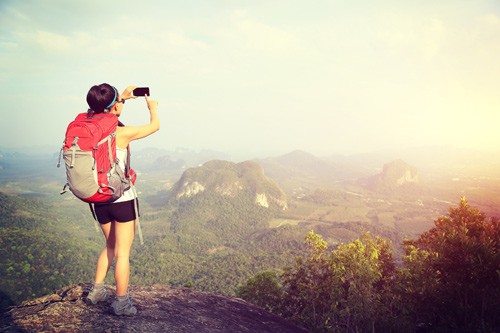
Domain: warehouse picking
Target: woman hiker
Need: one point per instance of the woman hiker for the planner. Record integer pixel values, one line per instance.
(118, 219)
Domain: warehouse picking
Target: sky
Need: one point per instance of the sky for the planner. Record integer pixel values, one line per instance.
(259, 77)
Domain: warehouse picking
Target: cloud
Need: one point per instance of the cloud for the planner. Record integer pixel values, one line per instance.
(490, 19)
(256, 35)
(283, 69)
(179, 39)
(52, 42)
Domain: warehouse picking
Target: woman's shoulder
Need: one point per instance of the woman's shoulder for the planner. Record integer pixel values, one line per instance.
(122, 138)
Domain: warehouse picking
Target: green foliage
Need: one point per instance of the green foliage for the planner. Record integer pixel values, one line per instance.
(449, 281)
(211, 243)
(263, 289)
(220, 216)
(452, 272)
(308, 296)
(342, 289)
(37, 253)
(448, 278)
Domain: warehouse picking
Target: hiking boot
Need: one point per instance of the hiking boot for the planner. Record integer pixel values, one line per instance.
(98, 294)
(122, 306)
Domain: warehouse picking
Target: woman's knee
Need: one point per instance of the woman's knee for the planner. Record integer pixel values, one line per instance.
(121, 254)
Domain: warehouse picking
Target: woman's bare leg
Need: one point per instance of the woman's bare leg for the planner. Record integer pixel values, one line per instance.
(123, 233)
(107, 254)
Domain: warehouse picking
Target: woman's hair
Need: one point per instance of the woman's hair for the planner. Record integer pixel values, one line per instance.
(101, 98)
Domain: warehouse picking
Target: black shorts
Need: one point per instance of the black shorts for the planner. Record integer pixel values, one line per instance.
(116, 211)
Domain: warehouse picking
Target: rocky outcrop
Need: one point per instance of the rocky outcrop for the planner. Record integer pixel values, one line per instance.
(161, 309)
(227, 179)
(189, 189)
(394, 175)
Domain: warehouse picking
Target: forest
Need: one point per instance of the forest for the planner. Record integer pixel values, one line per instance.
(448, 281)
(371, 261)
(209, 244)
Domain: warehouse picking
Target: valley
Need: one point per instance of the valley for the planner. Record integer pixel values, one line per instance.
(215, 240)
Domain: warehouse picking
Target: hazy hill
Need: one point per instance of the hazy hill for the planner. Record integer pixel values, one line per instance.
(300, 164)
(228, 179)
(300, 173)
(155, 159)
(394, 175)
(434, 159)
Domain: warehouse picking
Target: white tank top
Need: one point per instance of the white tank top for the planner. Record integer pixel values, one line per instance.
(121, 155)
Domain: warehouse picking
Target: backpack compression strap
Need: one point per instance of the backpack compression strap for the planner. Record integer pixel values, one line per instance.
(127, 163)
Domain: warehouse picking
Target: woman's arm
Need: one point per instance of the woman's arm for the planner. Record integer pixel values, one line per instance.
(127, 134)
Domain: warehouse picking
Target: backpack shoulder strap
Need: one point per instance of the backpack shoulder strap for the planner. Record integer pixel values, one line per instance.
(127, 163)
(96, 224)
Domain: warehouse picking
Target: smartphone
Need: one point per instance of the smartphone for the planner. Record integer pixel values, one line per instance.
(141, 91)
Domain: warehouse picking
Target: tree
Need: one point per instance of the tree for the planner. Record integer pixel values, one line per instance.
(308, 293)
(452, 272)
(364, 268)
(342, 290)
(264, 290)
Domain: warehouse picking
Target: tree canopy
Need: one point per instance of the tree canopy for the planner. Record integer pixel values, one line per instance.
(448, 281)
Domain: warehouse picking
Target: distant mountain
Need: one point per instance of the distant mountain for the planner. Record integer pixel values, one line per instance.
(35, 150)
(20, 165)
(299, 173)
(432, 158)
(222, 199)
(300, 163)
(156, 159)
(394, 175)
(229, 179)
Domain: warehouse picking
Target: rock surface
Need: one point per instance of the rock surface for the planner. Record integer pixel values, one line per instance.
(396, 174)
(161, 309)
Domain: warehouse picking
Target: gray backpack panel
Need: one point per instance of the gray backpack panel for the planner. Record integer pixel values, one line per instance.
(81, 172)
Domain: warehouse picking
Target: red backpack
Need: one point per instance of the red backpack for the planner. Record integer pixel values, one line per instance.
(89, 151)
